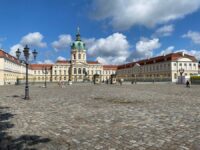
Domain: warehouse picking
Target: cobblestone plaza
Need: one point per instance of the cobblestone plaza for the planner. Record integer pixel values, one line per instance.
(104, 117)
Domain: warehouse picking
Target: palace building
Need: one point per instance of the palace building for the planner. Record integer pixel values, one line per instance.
(162, 68)
(78, 69)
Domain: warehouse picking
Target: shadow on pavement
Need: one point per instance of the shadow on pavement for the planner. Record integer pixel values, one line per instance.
(23, 142)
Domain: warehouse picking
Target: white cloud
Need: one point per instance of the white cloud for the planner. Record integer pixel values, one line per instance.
(33, 39)
(14, 48)
(164, 31)
(195, 53)
(47, 61)
(63, 42)
(110, 50)
(168, 50)
(145, 47)
(194, 36)
(61, 58)
(124, 14)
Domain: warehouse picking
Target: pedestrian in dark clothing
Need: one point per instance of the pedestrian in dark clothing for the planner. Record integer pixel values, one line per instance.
(187, 84)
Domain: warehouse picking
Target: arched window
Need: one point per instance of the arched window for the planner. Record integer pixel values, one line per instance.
(84, 71)
(79, 70)
(74, 70)
(74, 56)
(79, 56)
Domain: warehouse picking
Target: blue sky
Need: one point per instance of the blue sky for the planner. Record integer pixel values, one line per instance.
(115, 32)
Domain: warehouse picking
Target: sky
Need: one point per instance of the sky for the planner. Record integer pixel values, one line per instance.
(115, 31)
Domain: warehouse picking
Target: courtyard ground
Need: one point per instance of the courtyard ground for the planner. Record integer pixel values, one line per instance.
(104, 117)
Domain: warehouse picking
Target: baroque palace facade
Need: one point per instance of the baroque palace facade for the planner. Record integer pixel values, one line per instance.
(162, 68)
(78, 69)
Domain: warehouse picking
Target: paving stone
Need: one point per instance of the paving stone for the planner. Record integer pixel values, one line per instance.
(84, 116)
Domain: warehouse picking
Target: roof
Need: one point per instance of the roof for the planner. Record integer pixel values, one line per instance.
(40, 66)
(63, 61)
(163, 58)
(78, 44)
(110, 67)
(3, 54)
(93, 62)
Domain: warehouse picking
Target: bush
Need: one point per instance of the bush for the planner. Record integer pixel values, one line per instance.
(195, 77)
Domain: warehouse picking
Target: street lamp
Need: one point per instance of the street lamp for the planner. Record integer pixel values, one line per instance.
(70, 74)
(181, 73)
(45, 71)
(26, 56)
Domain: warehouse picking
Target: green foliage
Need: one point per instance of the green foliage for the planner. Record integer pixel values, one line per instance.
(195, 77)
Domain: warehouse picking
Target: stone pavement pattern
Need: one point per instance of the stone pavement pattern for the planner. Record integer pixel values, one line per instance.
(101, 117)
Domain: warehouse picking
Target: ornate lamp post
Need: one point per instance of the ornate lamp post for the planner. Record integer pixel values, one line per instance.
(181, 73)
(26, 56)
(70, 74)
(45, 71)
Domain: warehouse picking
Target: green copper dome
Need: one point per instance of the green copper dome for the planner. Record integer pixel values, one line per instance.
(78, 44)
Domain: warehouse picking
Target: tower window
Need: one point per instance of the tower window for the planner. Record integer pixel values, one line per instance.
(79, 56)
(74, 56)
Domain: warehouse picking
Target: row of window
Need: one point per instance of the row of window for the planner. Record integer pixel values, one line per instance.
(185, 64)
(42, 72)
(79, 71)
(75, 71)
(79, 56)
(184, 74)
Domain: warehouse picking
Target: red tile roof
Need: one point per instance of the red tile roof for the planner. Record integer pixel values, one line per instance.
(63, 61)
(169, 57)
(3, 54)
(110, 67)
(41, 66)
(93, 62)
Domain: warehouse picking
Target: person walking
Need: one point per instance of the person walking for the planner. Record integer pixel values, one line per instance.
(188, 84)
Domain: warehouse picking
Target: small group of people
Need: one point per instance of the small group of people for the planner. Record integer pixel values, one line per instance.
(61, 84)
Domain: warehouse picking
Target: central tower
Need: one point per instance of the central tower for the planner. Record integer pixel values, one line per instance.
(79, 64)
(78, 50)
